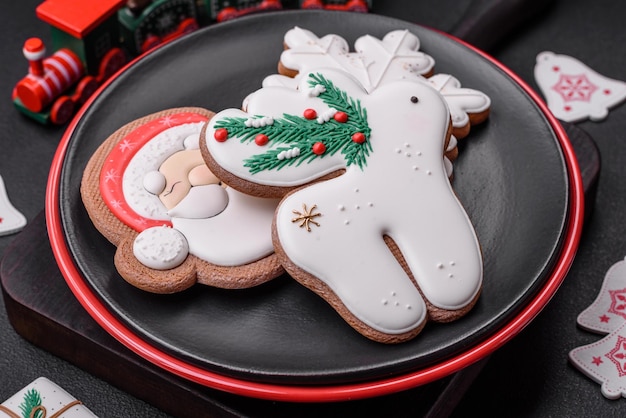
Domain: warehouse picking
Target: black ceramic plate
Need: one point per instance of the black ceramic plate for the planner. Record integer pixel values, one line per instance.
(512, 177)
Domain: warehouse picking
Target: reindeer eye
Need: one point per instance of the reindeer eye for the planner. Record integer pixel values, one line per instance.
(414, 99)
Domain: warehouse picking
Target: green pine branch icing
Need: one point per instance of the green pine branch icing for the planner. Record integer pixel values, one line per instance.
(297, 135)
(32, 399)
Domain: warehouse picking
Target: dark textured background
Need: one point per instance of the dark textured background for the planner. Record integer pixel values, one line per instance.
(530, 376)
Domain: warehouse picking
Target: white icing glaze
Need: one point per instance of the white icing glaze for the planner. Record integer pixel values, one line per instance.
(192, 141)
(201, 202)
(375, 61)
(160, 248)
(394, 57)
(11, 219)
(154, 182)
(239, 235)
(402, 192)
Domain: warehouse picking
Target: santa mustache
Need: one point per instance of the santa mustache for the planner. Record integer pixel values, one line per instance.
(201, 202)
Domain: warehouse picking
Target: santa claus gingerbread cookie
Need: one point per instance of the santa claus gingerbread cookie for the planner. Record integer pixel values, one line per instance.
(148, 191)
(368, 219)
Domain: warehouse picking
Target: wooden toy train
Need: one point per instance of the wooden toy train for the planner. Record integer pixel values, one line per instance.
(91, 40)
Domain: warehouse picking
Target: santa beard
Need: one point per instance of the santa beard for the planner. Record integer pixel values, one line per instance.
(238, 234)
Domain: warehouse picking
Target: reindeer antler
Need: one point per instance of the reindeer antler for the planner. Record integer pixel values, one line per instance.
(375, 61)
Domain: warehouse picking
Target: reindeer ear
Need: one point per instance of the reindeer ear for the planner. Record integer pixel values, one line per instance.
(467, 106)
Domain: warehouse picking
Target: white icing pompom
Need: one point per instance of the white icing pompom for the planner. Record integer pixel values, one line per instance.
(192, 141)
(154, 182)
(160, 248)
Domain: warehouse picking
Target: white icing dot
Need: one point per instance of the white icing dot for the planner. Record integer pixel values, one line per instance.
(341, 207)
(385, 301)
(357, 207)
(408, 154)
(291, 153)
(409, 307)
(397, 303)
(440, 266)
(370, 204)
(415, 168)
(398, 151)
(450, 275)
(393, 293)
(356, 190)
(406, 144)
(326, 116)
(429, 172)
(419, 153)
(259, 122)
(452, 263)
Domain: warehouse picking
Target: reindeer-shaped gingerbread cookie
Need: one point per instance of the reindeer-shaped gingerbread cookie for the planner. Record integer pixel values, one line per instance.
(368, 220)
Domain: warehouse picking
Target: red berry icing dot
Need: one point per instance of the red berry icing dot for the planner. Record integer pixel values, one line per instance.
(310, 114)
(319, 148)
(341, 117)
(261, 139)
(358, 137)
(221, 134)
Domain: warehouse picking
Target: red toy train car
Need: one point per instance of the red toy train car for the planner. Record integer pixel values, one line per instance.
(87, 52)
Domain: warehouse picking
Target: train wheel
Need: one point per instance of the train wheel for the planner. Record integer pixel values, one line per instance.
(86, 88)
(112, 61)
(312, 4)
(227, 13)
(187, 26)
(152, 41)
(357, 6)
(270, 5)
(62, 110)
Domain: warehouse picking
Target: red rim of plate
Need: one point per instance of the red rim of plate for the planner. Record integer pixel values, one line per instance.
(98, 311)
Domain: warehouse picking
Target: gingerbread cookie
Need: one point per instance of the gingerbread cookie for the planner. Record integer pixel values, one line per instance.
(148, 191)
(368, 219)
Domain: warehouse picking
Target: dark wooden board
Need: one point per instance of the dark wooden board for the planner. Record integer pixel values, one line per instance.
(40, 305)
